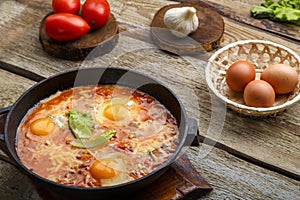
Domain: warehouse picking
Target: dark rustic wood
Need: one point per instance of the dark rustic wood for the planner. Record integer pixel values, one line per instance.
(236, 179)
(21, 72)
(11, 87)
(207, 37)
(104, 39)
(287, 30)
(253, 144)
(248, 158)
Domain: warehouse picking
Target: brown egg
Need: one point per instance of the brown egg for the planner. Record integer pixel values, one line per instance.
(282, 77)
(259, 93)
(239, 74)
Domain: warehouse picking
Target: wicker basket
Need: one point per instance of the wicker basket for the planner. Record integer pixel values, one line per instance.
(261, 54)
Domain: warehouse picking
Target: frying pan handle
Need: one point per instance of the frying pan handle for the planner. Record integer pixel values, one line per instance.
(3, 114)
(192, 135)
(3, 147)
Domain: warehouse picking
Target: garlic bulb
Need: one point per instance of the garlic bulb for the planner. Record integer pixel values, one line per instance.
(182, 21)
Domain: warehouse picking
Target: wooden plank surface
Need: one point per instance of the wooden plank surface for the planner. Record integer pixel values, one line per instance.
(275, 141)
(228, 175)
(11, 87)
(233, 178)
(240, 11)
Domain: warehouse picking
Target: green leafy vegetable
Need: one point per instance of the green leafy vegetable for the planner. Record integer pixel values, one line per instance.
(94, 141)
(258, 11)
(81, 124)
(282, 11)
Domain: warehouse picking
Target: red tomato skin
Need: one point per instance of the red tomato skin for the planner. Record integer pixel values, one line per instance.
(65, 27)
(96, 13)
(66, 6)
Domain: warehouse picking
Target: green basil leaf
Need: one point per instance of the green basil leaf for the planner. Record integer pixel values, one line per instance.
(94, 141)
(81, 124)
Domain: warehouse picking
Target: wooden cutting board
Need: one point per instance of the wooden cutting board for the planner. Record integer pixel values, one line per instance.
(104, 39)
(181, 181)
(207, 37)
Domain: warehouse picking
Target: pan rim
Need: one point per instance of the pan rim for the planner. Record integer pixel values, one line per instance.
(163, 166)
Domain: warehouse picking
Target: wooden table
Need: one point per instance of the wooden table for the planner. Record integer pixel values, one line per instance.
(241, 157)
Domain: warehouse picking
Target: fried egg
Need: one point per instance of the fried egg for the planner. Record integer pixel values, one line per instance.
(117, 111)
(110, 170)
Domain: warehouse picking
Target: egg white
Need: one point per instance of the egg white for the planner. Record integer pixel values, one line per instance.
(119, 166)
(130, 115)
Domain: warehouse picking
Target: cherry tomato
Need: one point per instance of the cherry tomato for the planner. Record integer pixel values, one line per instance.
(96, 13)
(66, 6)
(65, 27)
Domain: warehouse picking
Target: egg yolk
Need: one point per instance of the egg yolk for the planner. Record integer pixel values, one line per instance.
(116, 112)
(103, 169)
(42, 126)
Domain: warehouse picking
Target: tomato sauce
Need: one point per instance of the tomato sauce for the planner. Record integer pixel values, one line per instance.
(145, 135)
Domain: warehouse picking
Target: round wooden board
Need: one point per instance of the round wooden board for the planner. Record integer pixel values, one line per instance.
(104, 39)
(207, 37)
